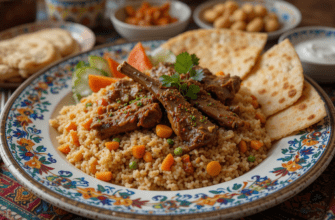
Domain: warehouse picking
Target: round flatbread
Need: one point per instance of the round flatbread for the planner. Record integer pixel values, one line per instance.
(277, 79)
(233, 52)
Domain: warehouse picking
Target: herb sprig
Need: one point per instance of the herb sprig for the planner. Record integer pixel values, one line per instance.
(184, 64)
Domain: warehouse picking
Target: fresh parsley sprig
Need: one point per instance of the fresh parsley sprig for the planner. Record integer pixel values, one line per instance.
(184, 64)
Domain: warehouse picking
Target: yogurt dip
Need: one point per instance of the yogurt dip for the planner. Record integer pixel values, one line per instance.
(316, 51)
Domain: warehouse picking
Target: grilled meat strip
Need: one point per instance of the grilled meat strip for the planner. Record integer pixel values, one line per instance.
(143, 113)
(187, 122)
(223, 88)
(215, 109)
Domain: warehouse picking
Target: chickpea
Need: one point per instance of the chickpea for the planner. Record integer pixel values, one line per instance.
(249, 10)
(256, 25)
(222, 22)
(271, 15)
(239, 25)
(210, 15)
(231, 6)
(239, 15)
(271, 25)
(220, 8)
(260, 11)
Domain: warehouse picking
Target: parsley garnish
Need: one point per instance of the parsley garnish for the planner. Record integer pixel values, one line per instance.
(184, 64)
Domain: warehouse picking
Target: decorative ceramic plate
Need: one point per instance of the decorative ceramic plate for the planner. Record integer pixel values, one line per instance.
(288, 15)
(82, 34)
(29, 151)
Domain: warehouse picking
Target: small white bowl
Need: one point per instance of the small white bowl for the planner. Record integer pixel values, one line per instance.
(137, 33)
(319, 68)
(288, 15)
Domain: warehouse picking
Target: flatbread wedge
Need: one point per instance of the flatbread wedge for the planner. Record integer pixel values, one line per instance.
(308, 110)
(233, 52)
(277, 79)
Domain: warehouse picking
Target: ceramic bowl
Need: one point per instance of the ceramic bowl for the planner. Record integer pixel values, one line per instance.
(136, 33)
(288, 15)
(87, 12)
(320, 69)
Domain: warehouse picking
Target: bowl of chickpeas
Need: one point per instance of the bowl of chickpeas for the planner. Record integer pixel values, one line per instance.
(267, 16)
(151, 19)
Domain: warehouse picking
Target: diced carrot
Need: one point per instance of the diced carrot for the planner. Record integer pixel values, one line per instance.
(83, 100)
(163, 21)
(101, 110)
(163, 131)
(97, 82)
(64, 148)
(138, 151)
(254, 101)
(102, 102)
(261, 118)
(187, 165)
(104, 176)
(147, 157)
(112, 145)
(242, 146)
(167, 163)
(75, 139)
(213, 168)
(255, 144)
(138, 58)
(219, 73)
(93, 165)
(112, 64)
(87, 124)
(71, 126)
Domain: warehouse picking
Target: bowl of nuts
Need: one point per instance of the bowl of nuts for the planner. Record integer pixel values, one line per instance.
(271, 17)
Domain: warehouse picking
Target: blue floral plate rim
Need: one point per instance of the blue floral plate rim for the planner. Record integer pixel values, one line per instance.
(255, 199)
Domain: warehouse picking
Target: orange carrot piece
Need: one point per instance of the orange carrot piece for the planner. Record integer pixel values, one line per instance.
(187, 165)
(167, 163)
(101, 110)
(102, 102)
(112, 64)
(97, 82)
(75, 139)
(83, 100)
(64, 148)
(104, 176)
(242, 146)
(147, 157)
(163, 131)
(213, 168)
(256, 144)
(71, 126)
(138, 58)
(87, 124)
(261, 118)
(112, 145)
(138, 151)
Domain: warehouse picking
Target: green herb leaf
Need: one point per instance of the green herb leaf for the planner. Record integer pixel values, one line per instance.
(195, 59)
(192, 91)
(165, 80)
(81, 64)
(198, 76)
(183, 88)
(183, 63)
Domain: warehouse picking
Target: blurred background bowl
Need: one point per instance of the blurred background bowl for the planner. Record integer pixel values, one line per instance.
(321, 37)
(288, 15)
(87, 12)
(136, 33)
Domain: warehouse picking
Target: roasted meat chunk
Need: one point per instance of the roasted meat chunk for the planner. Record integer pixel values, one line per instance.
(143, 113)
(186, 121)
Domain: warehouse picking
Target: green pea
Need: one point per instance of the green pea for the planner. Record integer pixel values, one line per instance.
(170, 141)
(251, 158)
(117, 139)
(133, 165)
(178, 151)
(88, 104)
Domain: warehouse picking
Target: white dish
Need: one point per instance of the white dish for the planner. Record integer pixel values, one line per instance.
(29, 150)
(316, 49)
(139, 33)
(289, 16)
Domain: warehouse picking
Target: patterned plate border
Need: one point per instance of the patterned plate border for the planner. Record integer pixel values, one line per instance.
(303, 161)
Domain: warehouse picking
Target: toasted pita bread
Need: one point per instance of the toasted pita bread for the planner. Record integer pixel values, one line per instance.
(308, 110)
(277, 79)
(233, 52)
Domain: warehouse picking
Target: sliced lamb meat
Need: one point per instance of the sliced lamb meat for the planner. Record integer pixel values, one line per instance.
(187, 122)
(143, 113)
